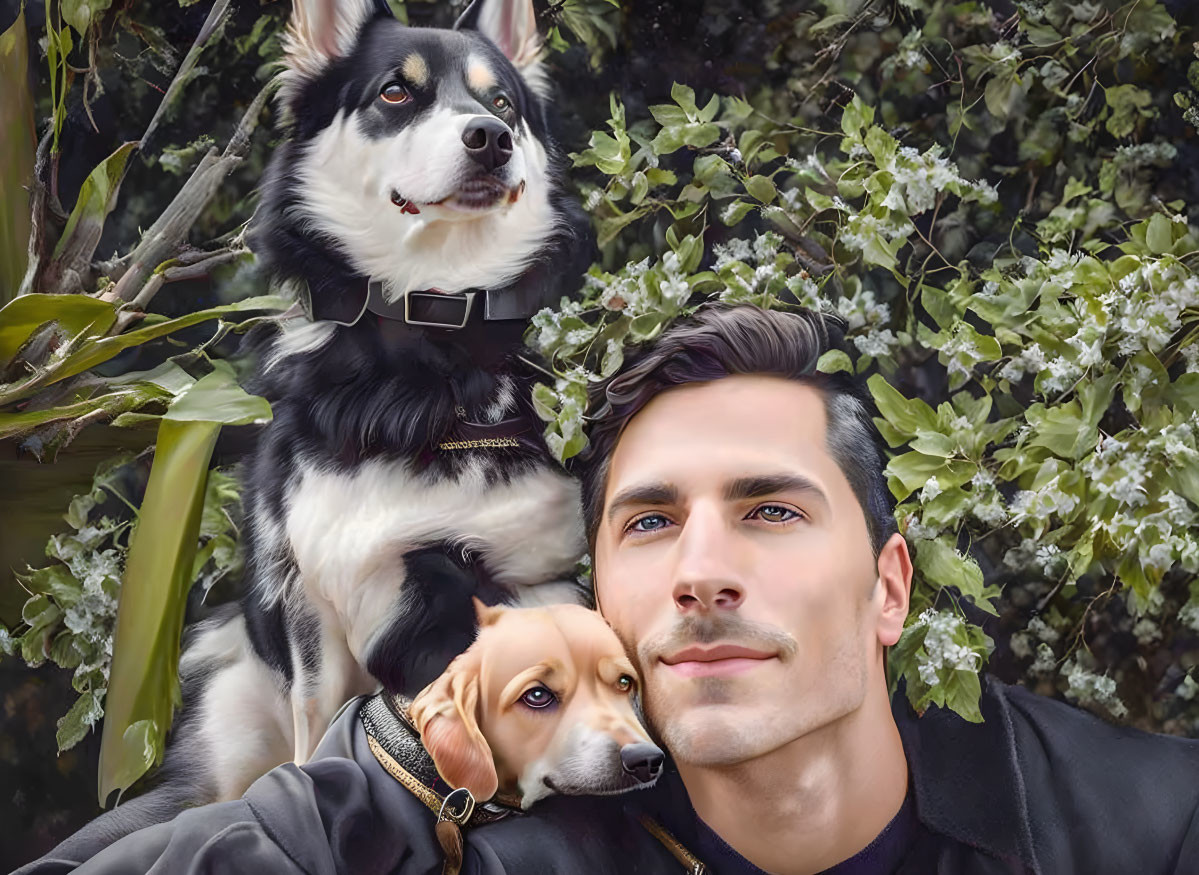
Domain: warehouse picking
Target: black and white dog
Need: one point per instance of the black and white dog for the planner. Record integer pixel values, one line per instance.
(418, 204)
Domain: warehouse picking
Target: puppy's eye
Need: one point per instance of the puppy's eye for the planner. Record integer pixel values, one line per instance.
(395, 93)
(501, 103)
(538, 697)
(625, 684)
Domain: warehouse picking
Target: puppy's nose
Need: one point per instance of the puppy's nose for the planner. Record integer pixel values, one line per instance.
(643, 761)
(488, 141)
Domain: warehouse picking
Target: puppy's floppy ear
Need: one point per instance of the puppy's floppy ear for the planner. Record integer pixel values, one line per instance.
(446, 715)
(510, 24)
(321, 30)
(484, 614)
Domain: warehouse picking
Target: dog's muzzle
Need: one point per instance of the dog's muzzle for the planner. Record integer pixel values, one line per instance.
(643, 761)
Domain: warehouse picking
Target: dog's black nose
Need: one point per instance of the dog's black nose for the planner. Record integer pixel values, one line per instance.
(642, 761)
(488, 141)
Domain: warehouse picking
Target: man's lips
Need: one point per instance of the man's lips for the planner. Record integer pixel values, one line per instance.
(723, 659)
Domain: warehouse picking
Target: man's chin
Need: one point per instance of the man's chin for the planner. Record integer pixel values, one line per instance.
(715, 735)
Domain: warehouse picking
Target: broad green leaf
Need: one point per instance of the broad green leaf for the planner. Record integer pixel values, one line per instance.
(75, 314)
(217, 398)
(17, 157)
(143, 685)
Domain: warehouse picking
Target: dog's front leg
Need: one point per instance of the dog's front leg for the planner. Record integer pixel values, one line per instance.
(325, 677)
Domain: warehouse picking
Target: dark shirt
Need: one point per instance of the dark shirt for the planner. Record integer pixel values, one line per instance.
(882, 856)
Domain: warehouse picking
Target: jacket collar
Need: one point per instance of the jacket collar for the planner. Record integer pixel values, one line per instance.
(967, 777)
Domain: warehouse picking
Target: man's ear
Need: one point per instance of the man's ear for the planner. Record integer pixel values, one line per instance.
(321, 30)
(446, 716)
(895, 582)
(510, 24)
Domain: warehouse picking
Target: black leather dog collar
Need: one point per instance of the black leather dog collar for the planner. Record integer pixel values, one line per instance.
(427, 308)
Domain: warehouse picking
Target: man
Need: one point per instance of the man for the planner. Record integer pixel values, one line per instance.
(744, 550)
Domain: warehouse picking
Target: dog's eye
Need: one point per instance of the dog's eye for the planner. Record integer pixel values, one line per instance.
(538, 697)
(625, 684)
(395, 93)
(501, 103)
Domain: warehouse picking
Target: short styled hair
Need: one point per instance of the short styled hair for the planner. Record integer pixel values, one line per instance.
(720, 341)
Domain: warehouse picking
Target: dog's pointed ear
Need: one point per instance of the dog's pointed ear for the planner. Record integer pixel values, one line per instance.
(446, 716)
(322, 30)
(510, 24)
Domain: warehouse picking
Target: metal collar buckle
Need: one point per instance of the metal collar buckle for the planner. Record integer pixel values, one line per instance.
(457, 807)
(422, 308)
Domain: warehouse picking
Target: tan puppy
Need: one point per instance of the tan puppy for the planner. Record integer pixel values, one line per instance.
(540, 703)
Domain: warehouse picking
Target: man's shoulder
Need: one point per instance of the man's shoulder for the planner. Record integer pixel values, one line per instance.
(1081, 747)
(1054, 785)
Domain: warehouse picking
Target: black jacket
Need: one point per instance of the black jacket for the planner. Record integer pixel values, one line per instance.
(1039, 787)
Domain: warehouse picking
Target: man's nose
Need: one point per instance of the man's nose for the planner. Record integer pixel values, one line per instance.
(488, 141)
(706, 570)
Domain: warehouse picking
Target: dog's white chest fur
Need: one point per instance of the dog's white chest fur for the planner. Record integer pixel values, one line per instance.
(348, 531)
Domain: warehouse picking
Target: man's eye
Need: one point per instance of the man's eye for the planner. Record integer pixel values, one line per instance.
(538, 697)
(775, 513)
(653, 522)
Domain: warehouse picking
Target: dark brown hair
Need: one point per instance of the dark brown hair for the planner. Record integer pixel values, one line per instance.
(720, 341)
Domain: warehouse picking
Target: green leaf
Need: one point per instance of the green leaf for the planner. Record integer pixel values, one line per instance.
(908, 416)
(944, 566)
(1159, 236)
(80, 14)
(94, 352)
(684, 96)
(545, 402)
(762, 188)
(97, 197)
(962, 693)
(217, 398)
(17, 157)
(143, 685)
(834, 360)
(75, 724)
(75, 315)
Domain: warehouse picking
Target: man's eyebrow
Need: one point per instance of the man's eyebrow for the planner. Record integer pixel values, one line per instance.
(772, 484)
(652, 494)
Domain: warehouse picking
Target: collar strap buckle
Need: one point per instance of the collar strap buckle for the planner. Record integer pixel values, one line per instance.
(422, 308)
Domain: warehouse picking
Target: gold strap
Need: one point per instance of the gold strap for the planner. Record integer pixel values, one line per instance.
(479, 443)
(431, 799)
(690, 862)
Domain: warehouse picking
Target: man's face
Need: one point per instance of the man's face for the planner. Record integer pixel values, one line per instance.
(733, 560)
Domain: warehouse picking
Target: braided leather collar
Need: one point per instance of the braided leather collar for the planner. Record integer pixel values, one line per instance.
(396, 745)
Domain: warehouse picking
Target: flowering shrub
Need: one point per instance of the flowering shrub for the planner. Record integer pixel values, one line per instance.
(993, 214)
